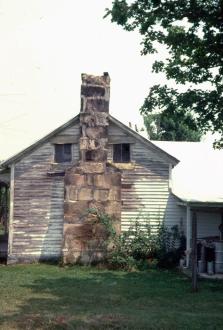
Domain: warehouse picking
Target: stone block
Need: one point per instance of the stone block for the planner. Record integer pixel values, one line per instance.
(84, 143)
(73, 193)
(71, 257)
(94, 119)
(101, 119)
(74, 219)
(115, 179)
(104, 143)
(100, 231)
(97, 105)
(78, 231)
(92, 167)
(99, 155)
(96, 80)
(90, 179)
(98, 205)
(114, 194)
(87, 119)
(101, 195)
(96, 132)
(113, 208)
(101, 181)
(92, 91)
(71, 244)
(93, 244)
(93, 144)
(76, 209)
(75, 179)
(107, 180)
(85, 194)
(78, 169)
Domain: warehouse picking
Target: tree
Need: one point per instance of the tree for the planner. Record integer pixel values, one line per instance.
(192, 32)
(177, 127)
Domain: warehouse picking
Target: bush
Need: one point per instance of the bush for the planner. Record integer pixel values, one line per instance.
(141, 246)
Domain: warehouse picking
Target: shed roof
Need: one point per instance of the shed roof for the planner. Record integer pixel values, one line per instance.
(199, 175)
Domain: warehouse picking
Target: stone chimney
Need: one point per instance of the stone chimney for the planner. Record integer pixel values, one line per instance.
(95, 92)
(93, 182)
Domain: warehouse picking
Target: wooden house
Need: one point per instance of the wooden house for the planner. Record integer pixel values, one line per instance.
(91, 161)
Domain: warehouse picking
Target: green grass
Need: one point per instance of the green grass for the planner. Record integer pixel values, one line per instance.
(50, 297)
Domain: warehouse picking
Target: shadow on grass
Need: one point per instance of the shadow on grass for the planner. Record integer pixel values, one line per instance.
(77, 298)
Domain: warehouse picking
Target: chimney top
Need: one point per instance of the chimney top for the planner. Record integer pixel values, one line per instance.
(95, 80)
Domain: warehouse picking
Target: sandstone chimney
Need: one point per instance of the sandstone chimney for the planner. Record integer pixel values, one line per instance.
(93, 183)
(95, 92)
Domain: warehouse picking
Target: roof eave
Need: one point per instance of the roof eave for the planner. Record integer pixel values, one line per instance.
(22, 153)
(172, 160)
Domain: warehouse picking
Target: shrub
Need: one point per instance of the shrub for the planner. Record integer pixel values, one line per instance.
(141, 246)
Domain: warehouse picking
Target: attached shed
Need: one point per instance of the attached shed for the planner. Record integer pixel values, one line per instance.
(197, 181)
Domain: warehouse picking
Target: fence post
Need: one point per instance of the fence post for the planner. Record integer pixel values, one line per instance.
(194, 252)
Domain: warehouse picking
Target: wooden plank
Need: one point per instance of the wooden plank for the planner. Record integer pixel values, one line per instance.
(117, 139)
(62, 139)
(38, 205)
(194, 252)
(11, 208)
(188, 234)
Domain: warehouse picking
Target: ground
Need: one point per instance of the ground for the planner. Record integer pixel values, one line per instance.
(52, 297)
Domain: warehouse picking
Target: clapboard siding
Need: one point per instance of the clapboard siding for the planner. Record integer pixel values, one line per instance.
(115, 130)
(145, 188)
(141, 153)
(75, 152)
(175, 214)
(146, 195)
(73, 130)
(39, 203)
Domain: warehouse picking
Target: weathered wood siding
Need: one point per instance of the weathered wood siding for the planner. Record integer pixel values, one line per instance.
(72, 135)
(145, 188)
(175, 214)
(37, 229)
(39, 198)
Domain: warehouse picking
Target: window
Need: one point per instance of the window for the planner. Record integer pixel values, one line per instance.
(121, 153)
(63, 153)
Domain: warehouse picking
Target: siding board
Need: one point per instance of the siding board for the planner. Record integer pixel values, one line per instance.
(148, 197)
(39, 203)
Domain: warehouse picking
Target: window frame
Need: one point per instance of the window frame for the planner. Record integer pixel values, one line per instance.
(62, 158)
(121, 160)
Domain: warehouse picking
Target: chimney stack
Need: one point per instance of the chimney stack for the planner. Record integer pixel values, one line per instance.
(92, 183)
(95, 93)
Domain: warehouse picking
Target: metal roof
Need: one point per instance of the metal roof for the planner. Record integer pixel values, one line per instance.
(199, 175)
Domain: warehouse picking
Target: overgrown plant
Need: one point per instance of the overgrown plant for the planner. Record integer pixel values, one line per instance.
(141, 246)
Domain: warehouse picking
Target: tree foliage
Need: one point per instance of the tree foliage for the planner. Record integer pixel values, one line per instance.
(192, 32)
(177, 127)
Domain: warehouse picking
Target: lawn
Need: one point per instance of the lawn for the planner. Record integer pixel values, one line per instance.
(50, 297)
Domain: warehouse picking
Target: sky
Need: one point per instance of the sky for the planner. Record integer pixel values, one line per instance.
(45, 46)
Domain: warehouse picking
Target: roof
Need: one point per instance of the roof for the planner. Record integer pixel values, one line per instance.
(198, 178)
(163, 154)
(24, 152)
